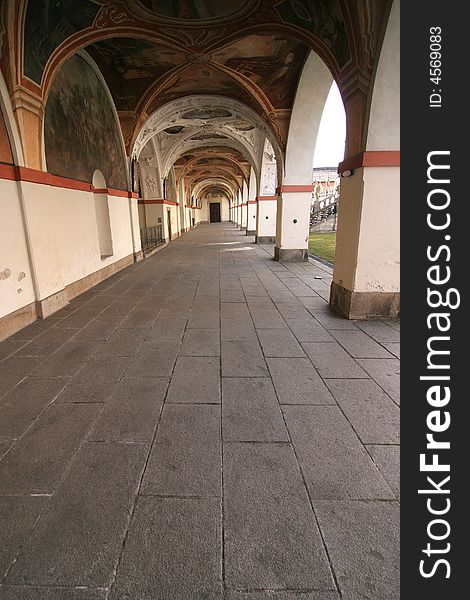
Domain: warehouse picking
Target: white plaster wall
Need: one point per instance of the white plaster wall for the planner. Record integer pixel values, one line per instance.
(293, 207)
(204, 213)
(368, 248)
(384, 118)
(378, 267)
(251, 223)
(134, 215)
(266, 227)
(16, 290)
(64, 236)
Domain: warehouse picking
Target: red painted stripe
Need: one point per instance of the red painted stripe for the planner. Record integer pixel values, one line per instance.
(295, 188)
(158, 201)
(43, 178)
(376, 158)
(7, 172)
(265, 198)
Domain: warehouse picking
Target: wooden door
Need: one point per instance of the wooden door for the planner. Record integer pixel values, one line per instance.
(214, 209)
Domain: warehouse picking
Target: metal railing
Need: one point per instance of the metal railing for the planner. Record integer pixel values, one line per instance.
(151, 237)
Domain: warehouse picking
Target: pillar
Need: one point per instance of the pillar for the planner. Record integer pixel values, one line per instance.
(266, 219)
(366, 278)
(292, 223)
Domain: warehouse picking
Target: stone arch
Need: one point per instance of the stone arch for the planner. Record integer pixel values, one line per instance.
(11, 127)
(366, 277)
(293, 205)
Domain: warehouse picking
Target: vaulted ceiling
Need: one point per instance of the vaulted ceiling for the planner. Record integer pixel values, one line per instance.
(153, 53)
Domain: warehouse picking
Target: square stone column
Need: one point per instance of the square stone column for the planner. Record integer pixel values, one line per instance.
(251, 219)
(292, 224)
(366, 277)
(266, 219)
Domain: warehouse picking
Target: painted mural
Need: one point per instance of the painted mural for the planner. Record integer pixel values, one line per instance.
(5, 149)
(130, 66)
(195, 9)
(48, 24)
(323, 18)
(81, 132)
(272, 62)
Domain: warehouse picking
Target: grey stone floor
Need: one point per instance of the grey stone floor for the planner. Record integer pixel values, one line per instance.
(201, 426)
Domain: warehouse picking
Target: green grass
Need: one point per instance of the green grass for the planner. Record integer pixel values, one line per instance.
(323, 245)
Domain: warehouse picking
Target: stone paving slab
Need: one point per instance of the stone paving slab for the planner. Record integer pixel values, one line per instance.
(332, 361)
(263, 486)
(297, 382)
(360, 345)
(79, 537)
(238, 330)
(132, 411)
(167, 330)
(14, 369)
(47, 343)
(201, 342)
(39, 459)
(363, 544)
(335, 464)
(386, 372)
(282, 595)
(69, 359)
(173, 551)
(95, 381)
(250, 411)
(373, 415)
(154, 359)
(195, 380)
(141, 504)
(387, 459)
(186, 456)
(22, 405)
(99, 329)
(123, 342)
(309, 330)
(18, 515)
(243, 359)
(10, 592)
(380, 331)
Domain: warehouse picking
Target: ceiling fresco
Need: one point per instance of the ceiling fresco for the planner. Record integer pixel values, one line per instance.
(154, 54)
(130, 66)
(205, 10)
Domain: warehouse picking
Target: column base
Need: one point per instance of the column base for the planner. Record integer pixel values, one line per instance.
(251, 232)
(265, 239)
(364, 305)
(291, 254)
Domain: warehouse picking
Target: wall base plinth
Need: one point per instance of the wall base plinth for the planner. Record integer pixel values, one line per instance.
(251, 232)
(364, 305)
(265, 239)
(10, 324)
(291, 254)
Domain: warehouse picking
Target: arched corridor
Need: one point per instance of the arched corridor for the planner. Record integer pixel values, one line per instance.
(190, 406)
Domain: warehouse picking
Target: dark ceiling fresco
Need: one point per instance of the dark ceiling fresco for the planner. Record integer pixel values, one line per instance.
(152, 52)
(131, 65)
(183, 10)
(48, 24)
